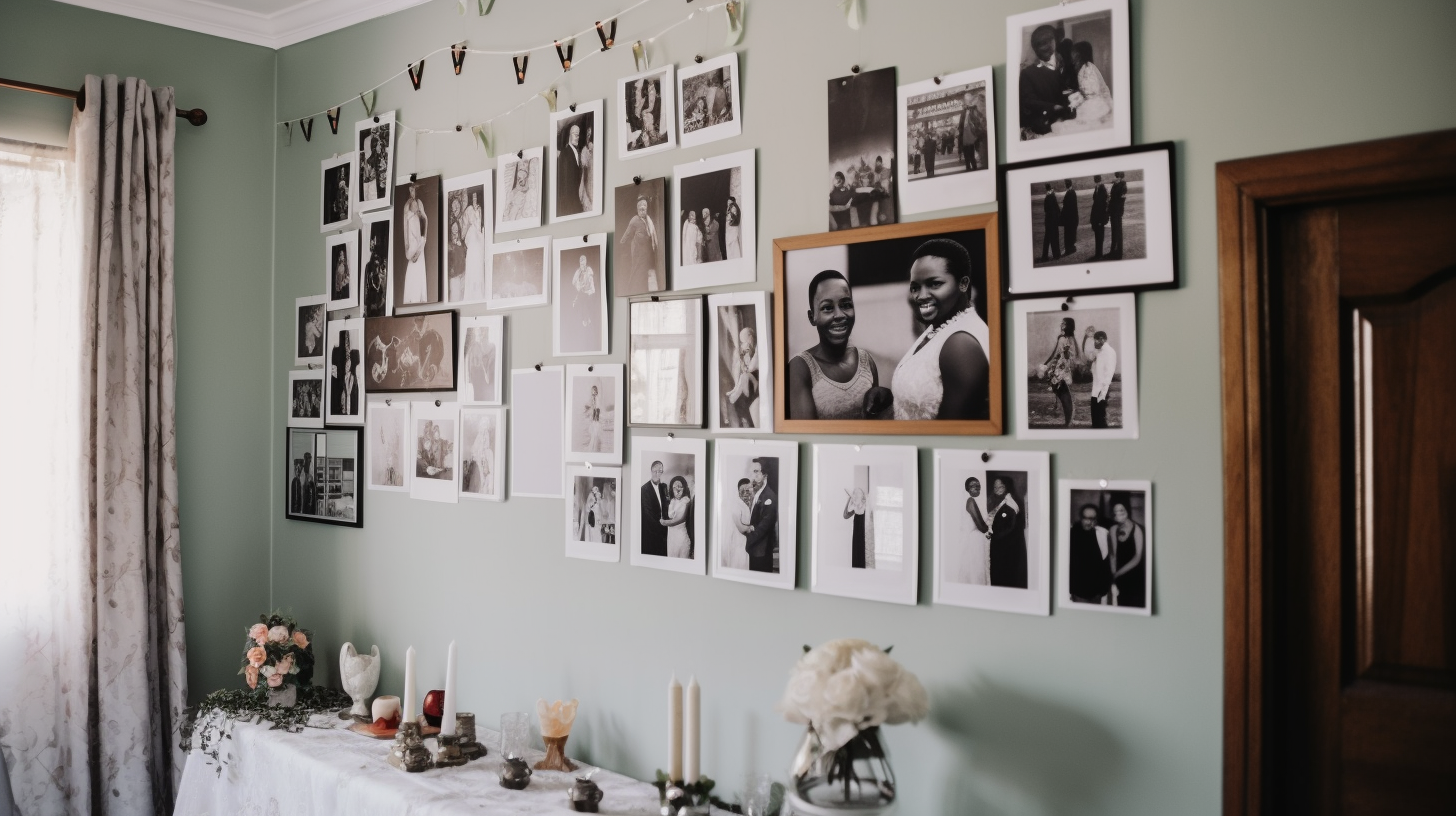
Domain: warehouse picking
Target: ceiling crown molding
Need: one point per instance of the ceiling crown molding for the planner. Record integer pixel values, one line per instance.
(290, 21)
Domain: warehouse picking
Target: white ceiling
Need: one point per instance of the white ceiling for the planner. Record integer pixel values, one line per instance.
(274, 23)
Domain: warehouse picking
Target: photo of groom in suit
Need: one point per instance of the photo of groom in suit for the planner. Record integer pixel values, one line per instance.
(568, 172)
(763, 520)
(654, 504)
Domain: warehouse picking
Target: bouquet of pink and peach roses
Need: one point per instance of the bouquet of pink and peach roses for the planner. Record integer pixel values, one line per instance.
(278, 653)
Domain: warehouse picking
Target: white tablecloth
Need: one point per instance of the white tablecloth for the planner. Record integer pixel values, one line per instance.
(329, 770)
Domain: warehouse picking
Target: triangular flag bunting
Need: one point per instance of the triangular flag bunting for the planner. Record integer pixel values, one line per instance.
(416, 73)
(482, 135)
(306, 125)
(288, 129)
(639, 55)
(853, 13)
(607, 38)
(734, 10)
(368, 98)
(550, 96)
(565, 56)
(521, 62)
(457, 56)
(485, 6)
(333, 114)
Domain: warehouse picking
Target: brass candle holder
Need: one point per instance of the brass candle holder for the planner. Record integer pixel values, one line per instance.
(408, 751)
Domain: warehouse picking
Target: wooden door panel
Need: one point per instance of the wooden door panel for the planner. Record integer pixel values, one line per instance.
(1390, 245)
(1402, 762)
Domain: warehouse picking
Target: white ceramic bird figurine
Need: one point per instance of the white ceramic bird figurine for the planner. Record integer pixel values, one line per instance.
(360, 675)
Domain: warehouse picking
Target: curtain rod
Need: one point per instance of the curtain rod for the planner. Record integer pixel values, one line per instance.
(197, 116)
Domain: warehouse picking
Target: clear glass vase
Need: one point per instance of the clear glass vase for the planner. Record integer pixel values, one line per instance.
(856, 778)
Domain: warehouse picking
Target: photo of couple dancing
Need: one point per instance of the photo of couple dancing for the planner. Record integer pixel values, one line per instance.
(751, 523)
(1076, 381)
(924, 304)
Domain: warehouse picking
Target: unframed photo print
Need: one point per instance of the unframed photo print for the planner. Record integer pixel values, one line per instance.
(866, 537)
(1105, 560)
(346, 384)
(594, 413)
(411, 352)
(417, 242)
(482, 358)
(576, 152)
(755, 511)
(321, 481)
(483, 453)
(861, 175)
(710, 107)
(579, 310)
(946, 136)
(520, 273)
(536, 455)
(468, 230)
(374, 161)
(593, 507)
(376, 254)
(518, 190)
(341, 267)
(311, 315)
(668, 477)
(435, 443)
(387, 452)
(740, 363)
(647, 113)
(1076, 364)
(337, 198)
(714, 236)
(639, 254)
(305, 399)
(992, 520)
(665, 355)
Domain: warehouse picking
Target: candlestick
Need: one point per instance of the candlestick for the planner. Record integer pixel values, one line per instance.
(447, 720)
(692, 733)
(411, 703)
(674, 729)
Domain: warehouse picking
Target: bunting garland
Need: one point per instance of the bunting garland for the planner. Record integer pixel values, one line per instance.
(608, 39)
(457, 56)
(521, 67)
(306, 125)
(565, 57)
(333, 115)
(416, 73)
(368, 98)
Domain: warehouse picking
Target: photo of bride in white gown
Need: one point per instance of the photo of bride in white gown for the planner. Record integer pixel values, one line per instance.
(417, 244)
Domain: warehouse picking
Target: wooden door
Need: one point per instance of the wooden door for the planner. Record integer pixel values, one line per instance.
(1339, 289)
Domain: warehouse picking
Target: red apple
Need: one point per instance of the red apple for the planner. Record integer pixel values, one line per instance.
(434, 707)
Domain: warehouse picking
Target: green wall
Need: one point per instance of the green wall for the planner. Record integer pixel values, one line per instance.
(224, 281)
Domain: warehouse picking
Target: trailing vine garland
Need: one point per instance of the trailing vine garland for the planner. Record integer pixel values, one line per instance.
(220, 710)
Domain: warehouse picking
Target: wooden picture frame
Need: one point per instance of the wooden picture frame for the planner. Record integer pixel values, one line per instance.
(981, 231)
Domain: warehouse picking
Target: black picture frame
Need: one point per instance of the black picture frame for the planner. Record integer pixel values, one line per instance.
(345, 478)
(375, 327)
(1100, 279)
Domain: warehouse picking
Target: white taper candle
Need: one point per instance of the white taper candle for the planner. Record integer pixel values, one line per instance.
(674, 729)
(410, 704)
(447, 719)
(692, 733)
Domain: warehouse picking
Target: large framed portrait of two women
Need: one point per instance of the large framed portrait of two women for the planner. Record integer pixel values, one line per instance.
(889, 330)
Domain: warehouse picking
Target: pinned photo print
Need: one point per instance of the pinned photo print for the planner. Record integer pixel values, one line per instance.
(639, 253)
(436, 451)
(518, 190)
(862, 150)
(386, 446)
(417, 242)
(579, 327)
(413, 352)
(576, 153)
(594, 413)
(714, 231)
(708, 93)
(866, 522)
(668, 515)
(593, 507)
(1106, 555)
(946, 134)
(310, 318)
(374, 161)
(375, 239)
(665, 352)
(482, 358)
(337, 189)
(341, 260)
(740, 363)
(647, 113)
(992, 522)
(483, 453)
(755, 511)
(305, 399)
(346, 384)
(1078, 368)
(467, 237)
(519, 273)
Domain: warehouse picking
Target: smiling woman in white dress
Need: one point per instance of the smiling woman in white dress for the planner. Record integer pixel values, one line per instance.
(415, 222)
(692, 240)
(474, 250)
(589, 528)
(679, 542)
(946, 373)
(735, 541)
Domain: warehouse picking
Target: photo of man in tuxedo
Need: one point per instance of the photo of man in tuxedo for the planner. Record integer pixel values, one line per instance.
(344, 375)
(1115, 203)
(654, 504)
(1070, 218)
(763, 520)
(1041, 86)
(1098, 216)
(568, 173)
(1051, 225)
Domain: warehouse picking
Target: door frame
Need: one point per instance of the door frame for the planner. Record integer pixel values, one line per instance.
(1247, 190)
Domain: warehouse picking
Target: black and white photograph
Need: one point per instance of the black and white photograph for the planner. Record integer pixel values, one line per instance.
(413, 352)
(1105, 560)
(305, 399)
(341, 265)
(946, 136)
(1102, 222)
(865, 528)
(890, 330)
(468, 230)
(482, 360)
(639, 254)
(538, 400)
(374, 140)
(311, 316)
(483, 453)
(518, 190)
(1078, 368)
(435, 442)
(1073, 84)
(375, 256)
(714, 235)
(520, 273)
(755, 511)
(417, 243)
(708, 100)
(740, 363)
(576, 158)
(647, 113)
(667, 519)
(579, 310)
(861, 176)
(386, 446)
(346, 386)
(992, 523)
(337, 190)
(593, 413)
(321, 482)
(665, 356)
(593, 507)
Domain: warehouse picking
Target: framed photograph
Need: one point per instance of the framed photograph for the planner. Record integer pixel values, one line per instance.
(483, 453)
(866, 536)
(322, 479)
(519, 273)
(639, 254)
(740, 363)
(305, 399)
(714, 230)
(518, 190)
(376, 253)
(889, 330)
(468, 211)
(337, 189)
(1102, 222)
(862, 150)
(387, 453)
(417, 243)
(946, 138)
(755, 511)
(593, 506)
(413, 352)
(374, 161)
(576, 153)
(435, 440)
(1077, 362)
(538, 397)
(579, 311)
(482, 357)
(1074, 80)
(710, 106)
(341, 269)
(346, 384)
(667, 525)
(992, 530)
(594, 413)
(311, 316)
(665, 350)
(647, 118)
(1105, 562)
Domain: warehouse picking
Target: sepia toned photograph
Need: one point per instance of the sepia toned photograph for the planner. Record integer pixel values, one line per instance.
(414, 352)
(947, 135)
(386, 446)
(322, 476)
(467, 237)
(665, 356)
(519, 273)
(310, 318)
(639, 253)
(346, 386)
(865, 525)
(417, 242)
(338, 199)
(755, 511)
(518, 190)
(483, 453)
(579, 310)
(482, 358)
(593, 507)
(576, 157)
(1078, 377)
(667, 517)
(709, 101)
(647, 113)
(714, 234)
(305, 399)
(436, 451)
(374, 161)
(341, 261)
(740, 363)
(375, 256)
(593, 413)
(1106, 554)
(862, 150)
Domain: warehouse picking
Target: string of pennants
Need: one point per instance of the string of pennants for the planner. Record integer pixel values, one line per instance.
(565, 48)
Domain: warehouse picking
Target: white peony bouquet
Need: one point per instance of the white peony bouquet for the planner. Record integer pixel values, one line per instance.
(848, 685)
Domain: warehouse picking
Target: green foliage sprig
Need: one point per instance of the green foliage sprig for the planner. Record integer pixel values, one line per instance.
(220, 710)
